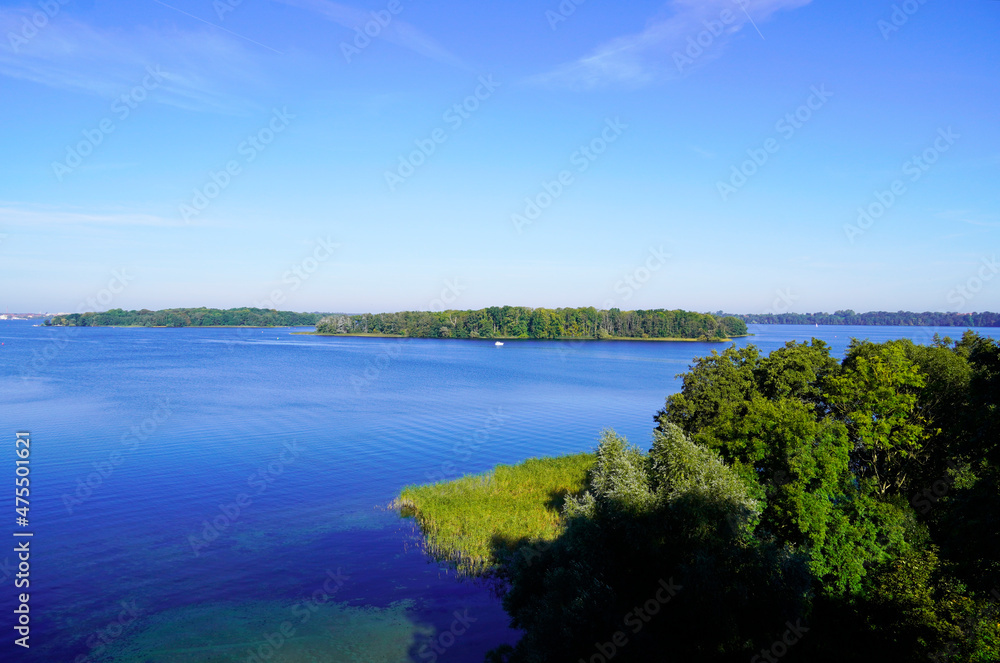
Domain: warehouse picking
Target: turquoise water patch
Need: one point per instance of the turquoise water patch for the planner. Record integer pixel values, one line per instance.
(271, 631)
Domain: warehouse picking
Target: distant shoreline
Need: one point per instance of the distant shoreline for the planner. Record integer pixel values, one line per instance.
(180, 327)
(525, 338)
(434, 338)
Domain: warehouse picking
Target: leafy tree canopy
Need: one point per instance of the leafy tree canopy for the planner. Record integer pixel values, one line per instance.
(859, 498)
(538, 323)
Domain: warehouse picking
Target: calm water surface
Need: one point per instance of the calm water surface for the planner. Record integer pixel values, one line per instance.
(194, 490)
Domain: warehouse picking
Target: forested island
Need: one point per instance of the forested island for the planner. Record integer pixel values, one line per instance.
(187, 317)
(899, 318)
(508, 322)
(789, 507)
(511, 322)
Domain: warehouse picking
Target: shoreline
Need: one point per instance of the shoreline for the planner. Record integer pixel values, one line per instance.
(177, 327)
(727, 339)
(523, 338)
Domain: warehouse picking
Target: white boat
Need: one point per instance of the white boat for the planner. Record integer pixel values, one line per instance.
(498, 343)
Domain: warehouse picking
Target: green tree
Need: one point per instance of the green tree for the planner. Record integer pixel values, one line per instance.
(647, 522)
(715, 392)
(876, 394)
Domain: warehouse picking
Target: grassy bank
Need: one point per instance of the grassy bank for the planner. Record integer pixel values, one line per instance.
(469, 521)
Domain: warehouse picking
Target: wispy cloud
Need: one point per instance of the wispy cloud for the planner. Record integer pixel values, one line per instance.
(972, 217)
(702, 152)
(396, 31)
(658, 52)
(25, 215)
(199, 66)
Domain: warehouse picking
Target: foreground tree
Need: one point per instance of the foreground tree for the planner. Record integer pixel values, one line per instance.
(855, 501)
(658, 562)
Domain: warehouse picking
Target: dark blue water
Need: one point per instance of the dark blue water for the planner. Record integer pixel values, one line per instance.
(196, 491)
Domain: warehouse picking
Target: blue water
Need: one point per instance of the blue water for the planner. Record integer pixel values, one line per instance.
(309, 438)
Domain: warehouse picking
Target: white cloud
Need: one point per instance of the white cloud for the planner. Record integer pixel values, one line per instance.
(13, 215)
(649, 56)
(972, 217)
(395, 31)
(198, 66)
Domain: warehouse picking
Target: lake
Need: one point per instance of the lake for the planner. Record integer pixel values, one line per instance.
(220, 494)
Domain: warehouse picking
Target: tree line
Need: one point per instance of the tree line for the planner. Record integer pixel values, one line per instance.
(538, 323)
(187, 317)
(790, 507)
(899, 318)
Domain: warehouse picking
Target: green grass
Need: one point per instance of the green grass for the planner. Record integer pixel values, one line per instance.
(469, 521)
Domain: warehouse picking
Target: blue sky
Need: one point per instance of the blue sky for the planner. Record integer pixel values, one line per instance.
(699, 155)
